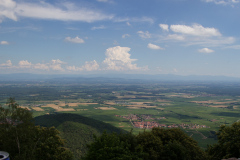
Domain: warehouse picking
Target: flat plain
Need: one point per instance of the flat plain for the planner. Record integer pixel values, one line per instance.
(199, 108)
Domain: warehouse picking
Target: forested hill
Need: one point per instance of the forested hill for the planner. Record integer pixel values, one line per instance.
(77, 130)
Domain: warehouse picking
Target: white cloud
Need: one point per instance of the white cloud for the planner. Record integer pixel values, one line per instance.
(74, 40)
(129, 24)
(106, 1)
(176, 37)
(164, 27)
(42, 10)
(118, 58)
(41, 66)
(195, 30)
(99, 27)
(223, 2)
(4, 42)
(24, 64)
(144, 34)
(134, 19)
(153, 46)
(205, 50)
(125, 35)
(74, 68)
(56, 65)
(211, 42)
(7, 64)
(91, 66)
(233, 47)
(196, 35)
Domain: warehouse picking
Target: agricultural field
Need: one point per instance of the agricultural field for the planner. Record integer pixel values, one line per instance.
(199, 108)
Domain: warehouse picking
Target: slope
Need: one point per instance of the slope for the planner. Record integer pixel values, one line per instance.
(76, 130)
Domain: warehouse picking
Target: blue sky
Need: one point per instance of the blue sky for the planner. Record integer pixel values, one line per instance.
(182, 37)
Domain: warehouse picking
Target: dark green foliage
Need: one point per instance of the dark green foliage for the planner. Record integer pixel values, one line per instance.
(23, 140)
(167, 144)
(77, 130)
(115, 147)
(159, 144)
(228, 143)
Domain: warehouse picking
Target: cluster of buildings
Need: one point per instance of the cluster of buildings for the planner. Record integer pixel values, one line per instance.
(138, 121)
(135, 117)
(152, 124)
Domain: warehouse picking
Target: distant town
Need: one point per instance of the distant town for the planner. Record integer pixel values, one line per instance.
(139, 121)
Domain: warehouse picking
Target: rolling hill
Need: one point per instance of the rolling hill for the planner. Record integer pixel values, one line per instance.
(76, 130)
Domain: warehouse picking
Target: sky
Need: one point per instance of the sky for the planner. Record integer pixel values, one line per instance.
(181, 37)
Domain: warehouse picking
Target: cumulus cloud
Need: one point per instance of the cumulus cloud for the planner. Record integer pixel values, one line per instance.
(118, 58)
(125, 35)
(144, 35)
(41, 66)
(43, 10)
(223, 2)
(91, 66)
(74, 68)
(205, 50)
(24, 64)
(195, 34)
(56, 65)
(74, 40)
(164, 27)
(7, 64)
(195, 30)
(153, 46)
(4, 42)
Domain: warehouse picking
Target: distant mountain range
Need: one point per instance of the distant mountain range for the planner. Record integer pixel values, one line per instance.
(111, 77)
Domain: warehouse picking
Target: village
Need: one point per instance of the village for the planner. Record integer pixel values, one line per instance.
(138, 121)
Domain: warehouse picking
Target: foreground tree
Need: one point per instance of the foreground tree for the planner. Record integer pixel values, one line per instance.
(228, 143)
(23, 140)
(115, 147)
(170, 144)
(158, 144)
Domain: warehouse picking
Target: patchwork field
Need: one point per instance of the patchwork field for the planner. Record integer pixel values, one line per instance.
(199, 109)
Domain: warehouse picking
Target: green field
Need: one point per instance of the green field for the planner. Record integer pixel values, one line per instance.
(200, 107)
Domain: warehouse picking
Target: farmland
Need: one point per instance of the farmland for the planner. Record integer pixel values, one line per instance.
(199, 108)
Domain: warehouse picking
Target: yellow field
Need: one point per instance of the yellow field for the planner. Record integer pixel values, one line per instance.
(37, 108)
(25, 107)
(213, 102)
(65, 109)
(110, 103)
(139, 106)
(218, 106)
(127, 96)
(139, 103)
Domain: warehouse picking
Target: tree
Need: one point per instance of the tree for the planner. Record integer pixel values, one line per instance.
(228, 143)
(23, 140)
(168, 144)
(158, 144)
(112, 146)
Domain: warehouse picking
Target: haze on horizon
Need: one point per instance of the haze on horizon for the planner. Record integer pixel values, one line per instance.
(182, 37)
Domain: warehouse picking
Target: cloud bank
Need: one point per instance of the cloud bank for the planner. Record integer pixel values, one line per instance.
(42, 10)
